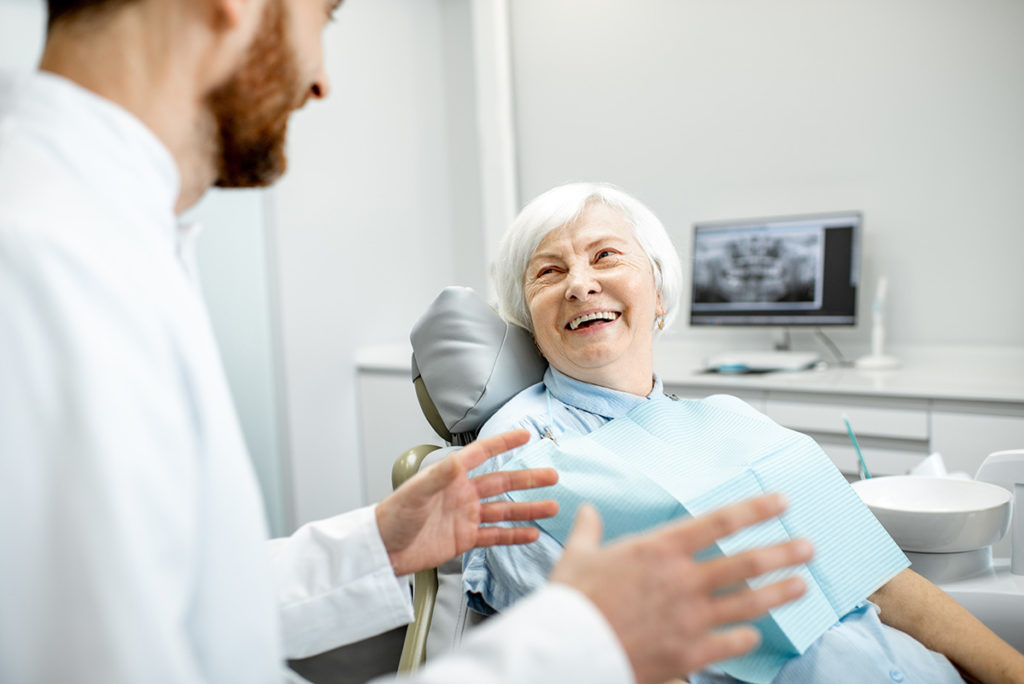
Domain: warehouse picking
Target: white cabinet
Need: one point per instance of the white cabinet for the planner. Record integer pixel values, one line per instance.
(874, 418)
(963, 411)
(966, 436)
(892, 433)
(390, 422)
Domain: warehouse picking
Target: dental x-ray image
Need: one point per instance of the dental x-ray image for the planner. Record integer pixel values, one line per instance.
(749, 268)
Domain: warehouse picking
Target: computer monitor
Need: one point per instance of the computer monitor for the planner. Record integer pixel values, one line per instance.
(788, 271)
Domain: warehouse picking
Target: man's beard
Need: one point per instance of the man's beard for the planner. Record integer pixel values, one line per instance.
(251, 109)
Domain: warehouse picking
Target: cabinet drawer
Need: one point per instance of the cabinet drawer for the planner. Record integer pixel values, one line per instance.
(965, 439)
(824, 416)
(881, 460)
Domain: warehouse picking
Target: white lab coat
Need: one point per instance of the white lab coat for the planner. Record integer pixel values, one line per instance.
(131, 529)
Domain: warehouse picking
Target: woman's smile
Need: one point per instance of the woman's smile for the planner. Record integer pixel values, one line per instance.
(590, 320)
(592, 300)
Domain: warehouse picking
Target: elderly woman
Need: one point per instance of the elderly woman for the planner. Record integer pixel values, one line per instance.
(592, 274)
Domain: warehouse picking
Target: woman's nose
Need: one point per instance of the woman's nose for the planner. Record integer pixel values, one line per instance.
(581, 284)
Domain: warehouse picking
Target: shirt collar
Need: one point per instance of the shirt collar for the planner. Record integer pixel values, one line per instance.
(595, 399)
(188, 234)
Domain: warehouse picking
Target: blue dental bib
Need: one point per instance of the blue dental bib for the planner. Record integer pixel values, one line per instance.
(669, 459)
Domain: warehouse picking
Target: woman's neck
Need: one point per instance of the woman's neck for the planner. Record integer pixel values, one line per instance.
(639, 381)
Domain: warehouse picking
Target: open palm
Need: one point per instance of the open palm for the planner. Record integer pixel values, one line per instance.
(438, 514)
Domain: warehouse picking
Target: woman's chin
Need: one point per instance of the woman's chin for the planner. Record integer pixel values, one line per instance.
(595, 365)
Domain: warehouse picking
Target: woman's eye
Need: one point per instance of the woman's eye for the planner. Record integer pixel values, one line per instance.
(605, 253)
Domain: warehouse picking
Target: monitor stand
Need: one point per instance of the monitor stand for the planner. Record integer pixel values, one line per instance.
(783, 358)
(782, 340)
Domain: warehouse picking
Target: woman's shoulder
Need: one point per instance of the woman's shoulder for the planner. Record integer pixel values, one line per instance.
(734, 404)
(524, 410)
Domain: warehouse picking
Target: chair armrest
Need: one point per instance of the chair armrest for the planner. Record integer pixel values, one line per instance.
(414, 650)
(408, 464)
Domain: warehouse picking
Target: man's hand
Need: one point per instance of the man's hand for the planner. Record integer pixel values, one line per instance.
(662, 604)
(437, 514)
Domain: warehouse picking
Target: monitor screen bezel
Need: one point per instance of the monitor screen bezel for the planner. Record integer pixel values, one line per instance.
(857, 218)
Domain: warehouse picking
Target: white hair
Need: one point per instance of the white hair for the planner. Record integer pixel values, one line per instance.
(562, 205)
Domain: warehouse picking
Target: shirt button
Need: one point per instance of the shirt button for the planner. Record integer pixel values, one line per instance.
(895, 675)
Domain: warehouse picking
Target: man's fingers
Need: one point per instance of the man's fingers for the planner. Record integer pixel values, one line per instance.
(586, 530)
(751, 603)
(499, 511)
(440, 475)
(483, 449)
(494, 536)
(434, 478)
(721, 572)
(724, 644)
(700, 532)
(503, 481)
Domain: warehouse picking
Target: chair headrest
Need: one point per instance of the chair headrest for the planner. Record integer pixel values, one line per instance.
(470, 361)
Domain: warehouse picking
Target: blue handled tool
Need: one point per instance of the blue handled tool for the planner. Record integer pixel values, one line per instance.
(864, 473)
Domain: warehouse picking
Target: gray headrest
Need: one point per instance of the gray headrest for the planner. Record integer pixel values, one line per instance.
(470, 360)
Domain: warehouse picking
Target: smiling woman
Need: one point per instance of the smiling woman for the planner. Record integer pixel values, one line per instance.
(591, 272)
(593, 302)
(593, 275)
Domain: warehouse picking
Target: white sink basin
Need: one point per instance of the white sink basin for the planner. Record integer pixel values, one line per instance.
(935, 514)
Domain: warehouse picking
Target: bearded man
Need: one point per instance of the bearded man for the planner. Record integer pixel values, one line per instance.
(134, 548)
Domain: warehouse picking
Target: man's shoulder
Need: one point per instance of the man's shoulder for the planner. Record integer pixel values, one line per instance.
(36, 189)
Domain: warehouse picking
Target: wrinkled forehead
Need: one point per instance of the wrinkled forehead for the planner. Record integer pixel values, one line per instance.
(596, 223)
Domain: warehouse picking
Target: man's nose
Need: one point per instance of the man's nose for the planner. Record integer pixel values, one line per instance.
(321, 85)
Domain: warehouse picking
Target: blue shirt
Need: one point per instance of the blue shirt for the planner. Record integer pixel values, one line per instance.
(858, 648)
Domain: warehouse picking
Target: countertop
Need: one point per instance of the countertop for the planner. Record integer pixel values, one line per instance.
(953, 373)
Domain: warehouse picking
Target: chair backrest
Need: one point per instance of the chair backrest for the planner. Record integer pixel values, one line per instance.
(467, 363)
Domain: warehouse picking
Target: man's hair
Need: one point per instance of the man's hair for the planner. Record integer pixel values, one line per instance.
(64, 10)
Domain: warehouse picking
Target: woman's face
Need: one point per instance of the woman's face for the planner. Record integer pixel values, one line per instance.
(591, 296)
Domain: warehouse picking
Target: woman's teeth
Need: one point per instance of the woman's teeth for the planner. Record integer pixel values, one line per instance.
(596, 316)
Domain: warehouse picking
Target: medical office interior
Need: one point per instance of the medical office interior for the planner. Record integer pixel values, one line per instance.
(447, 116)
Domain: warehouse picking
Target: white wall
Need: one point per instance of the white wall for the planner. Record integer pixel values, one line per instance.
(364, 223)
(22, 26)
(235, 269)
(910, 111)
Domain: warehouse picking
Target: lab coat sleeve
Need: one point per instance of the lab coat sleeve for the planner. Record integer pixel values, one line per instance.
(335, 584)
(555, 635)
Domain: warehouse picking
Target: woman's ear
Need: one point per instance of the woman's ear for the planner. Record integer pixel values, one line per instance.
(539, 351)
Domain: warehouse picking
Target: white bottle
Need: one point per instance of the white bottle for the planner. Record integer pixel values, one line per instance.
(877, 360)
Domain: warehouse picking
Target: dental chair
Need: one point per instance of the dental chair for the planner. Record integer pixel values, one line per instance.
(467, 363)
